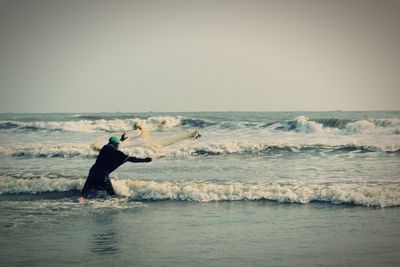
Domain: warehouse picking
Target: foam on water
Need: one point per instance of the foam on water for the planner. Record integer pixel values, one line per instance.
(164, 121)
(270, 148)
(375, 126)
(101, 125)
(48, 151)
(376, 196)
(159, 123)
(210, 148)
(10, 185)
(71, 126)
(138, 190)
(364, 146)
(274, 178)
(338, 126)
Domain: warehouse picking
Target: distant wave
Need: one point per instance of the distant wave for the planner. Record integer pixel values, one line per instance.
(69, 126)
(334, 123)
(46, 151)
(90, 123)
(198, 149)
(259, 148)
(162, 122)
(306, 125)
(139, 190)
(197, 123)
(343, 126)
(8, 125)
(102, 125)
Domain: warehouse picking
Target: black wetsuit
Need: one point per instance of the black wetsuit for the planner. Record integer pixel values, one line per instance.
(109, 159)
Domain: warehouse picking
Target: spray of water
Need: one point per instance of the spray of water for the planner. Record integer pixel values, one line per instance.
(144, 133)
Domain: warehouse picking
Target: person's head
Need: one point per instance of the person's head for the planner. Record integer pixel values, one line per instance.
(114, 140)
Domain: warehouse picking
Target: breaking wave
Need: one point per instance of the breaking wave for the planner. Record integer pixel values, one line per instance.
(102, 125)
(91, 123)
(259, 148)
(340, 126)
(9, 185)
(69, 126)
(379, 196)
(198, 123)
(46, 151)
(198, 149)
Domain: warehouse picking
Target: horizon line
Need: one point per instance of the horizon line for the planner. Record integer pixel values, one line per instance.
(205, 111)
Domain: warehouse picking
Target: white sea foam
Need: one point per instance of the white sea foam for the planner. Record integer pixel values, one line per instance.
(74, 126)
(10, 185)
(157, 123)
(64, 151)
(209, 148)
(48, 151)
(139, 190)
(120, 125)
(335, 126)
(267, 148)
(375, 196)
(164, 121)
(303, 124)
(374, 126)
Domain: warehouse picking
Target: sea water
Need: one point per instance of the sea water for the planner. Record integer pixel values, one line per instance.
(257, 189)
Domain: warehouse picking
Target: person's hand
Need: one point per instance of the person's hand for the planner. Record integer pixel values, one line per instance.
(123, 137)
(147, 160)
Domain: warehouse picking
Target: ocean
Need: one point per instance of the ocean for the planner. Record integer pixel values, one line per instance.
(257, 189)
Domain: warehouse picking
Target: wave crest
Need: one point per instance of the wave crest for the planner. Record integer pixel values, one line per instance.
(102, 125)
(138, 190)
(340, 126)
(379, 196)
(47, 151)
(158, 123)
(251, 148)
(10, 185)
(266, 148)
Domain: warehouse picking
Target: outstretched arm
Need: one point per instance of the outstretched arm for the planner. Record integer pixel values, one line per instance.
(136, 160)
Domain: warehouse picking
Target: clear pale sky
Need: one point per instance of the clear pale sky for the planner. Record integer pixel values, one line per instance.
(133, 56)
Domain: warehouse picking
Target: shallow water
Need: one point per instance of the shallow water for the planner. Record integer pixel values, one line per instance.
(172, 233)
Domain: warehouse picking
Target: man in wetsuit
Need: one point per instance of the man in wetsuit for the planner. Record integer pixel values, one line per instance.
(109, 159)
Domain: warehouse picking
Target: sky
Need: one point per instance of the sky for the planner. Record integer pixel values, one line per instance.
(165, 56)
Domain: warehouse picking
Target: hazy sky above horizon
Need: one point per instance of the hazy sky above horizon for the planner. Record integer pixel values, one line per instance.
(253, 55)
